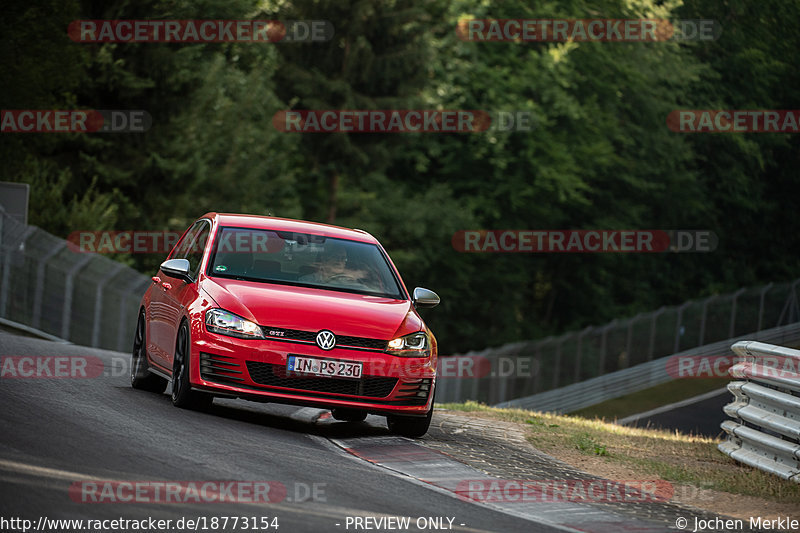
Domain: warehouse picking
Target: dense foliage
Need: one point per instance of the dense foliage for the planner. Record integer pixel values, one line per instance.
(600, 154)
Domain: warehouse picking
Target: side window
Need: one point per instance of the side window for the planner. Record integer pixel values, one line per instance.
(183, 246)
(195, 255)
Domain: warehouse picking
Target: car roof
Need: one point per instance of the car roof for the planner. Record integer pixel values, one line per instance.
(289, 224)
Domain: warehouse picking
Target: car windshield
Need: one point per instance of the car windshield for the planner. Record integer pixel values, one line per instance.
(290, 258)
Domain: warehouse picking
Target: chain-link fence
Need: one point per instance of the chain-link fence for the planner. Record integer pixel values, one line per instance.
(556, 362)
(84, 298)
(91, 300)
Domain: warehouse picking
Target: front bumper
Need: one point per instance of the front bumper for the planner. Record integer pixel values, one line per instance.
(255, 369)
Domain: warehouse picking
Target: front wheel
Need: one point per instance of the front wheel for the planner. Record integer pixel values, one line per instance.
(141, 378)
(182, 393)
(409, 426)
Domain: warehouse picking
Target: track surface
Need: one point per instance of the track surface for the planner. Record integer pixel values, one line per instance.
(59, 431)
(699, 418)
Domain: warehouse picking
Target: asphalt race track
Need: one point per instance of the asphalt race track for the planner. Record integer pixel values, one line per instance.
(78, 443)
(58, 431)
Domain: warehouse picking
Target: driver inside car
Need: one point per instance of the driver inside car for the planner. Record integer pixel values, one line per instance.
(333, 268)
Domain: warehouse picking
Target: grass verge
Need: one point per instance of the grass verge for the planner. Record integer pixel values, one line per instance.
(670, 456)
(645, 400)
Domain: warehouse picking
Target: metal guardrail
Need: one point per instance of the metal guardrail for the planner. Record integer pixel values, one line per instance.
(765, 430)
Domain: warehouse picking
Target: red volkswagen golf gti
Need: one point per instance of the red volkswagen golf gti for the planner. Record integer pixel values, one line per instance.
(287, 311)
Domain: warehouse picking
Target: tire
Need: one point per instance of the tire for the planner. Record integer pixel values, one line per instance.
(182, 394)
(409, 426)
(348, 415)
(141, 378)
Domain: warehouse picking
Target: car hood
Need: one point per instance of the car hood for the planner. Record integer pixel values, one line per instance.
(290, 307)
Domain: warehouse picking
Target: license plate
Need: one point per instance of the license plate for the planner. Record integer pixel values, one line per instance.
(296, 364)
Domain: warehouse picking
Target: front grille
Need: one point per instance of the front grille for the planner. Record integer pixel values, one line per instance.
(361, 342)
(220, 369)
(275, 376)
(344, 341)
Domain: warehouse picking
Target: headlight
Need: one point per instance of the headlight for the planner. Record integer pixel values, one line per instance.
(413, 345)
(226, 323)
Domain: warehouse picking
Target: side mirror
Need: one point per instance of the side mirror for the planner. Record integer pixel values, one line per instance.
(423, 298)
(177, 268)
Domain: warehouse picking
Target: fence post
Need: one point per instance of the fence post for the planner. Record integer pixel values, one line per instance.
(557, 362)
(652, 347)
(733, 312)
(98, 302)
(603, 346)
(579, 354)
(677, 346)
(790, 307)
(702, 335)
(4, 288)
(761, 305)
(629, 339)
(69, 289)
(40, 275)
(456, 388)
(537, 375)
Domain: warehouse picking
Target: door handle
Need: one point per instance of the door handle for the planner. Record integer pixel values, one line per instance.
(167, 286)
(156, 279)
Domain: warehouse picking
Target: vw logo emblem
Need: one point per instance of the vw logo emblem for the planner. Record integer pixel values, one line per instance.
(326, 339)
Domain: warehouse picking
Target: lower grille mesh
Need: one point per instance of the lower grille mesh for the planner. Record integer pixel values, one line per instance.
(275, 376)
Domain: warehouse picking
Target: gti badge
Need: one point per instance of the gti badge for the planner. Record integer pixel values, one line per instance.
(326, 339)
